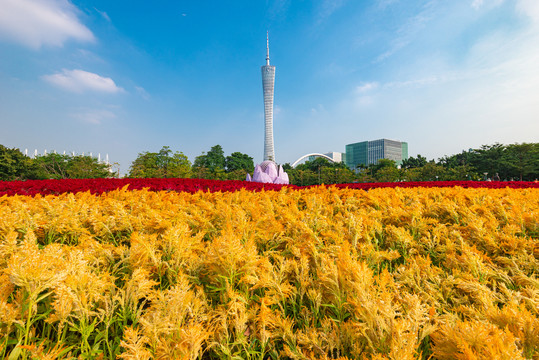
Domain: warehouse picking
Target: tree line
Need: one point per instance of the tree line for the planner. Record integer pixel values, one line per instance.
(495, 162)
(211, 165)
(489, 162)
(14, 165)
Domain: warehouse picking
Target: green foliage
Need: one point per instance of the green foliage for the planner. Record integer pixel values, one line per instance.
(14, 165)
(214, 165)
(87, 167)
(200, 162)
(164, 164)
(314, 165)
(515, 161)
(238, 161)
(382, 164)
(210, 165)
(388, 174)
(319, 171)
(303, 177)
(215, 158)
(52, 166)
(431, 172)
(412, 162)
(506, 162)
(522, 160)
(59, 166)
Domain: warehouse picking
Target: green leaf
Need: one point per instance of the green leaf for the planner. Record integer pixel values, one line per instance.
(15, 353)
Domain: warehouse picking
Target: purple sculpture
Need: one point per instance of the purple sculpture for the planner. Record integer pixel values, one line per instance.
(267, 172)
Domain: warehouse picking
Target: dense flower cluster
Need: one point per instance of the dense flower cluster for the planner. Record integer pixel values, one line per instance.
(99, 186)
(312, 273)
(436, 184)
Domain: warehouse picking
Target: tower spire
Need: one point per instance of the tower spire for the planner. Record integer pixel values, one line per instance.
(267, 48)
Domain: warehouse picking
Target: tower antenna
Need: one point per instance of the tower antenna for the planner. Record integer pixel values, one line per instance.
(267, 48)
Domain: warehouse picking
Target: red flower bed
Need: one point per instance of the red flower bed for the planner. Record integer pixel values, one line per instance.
(98, 186)
(463, 184)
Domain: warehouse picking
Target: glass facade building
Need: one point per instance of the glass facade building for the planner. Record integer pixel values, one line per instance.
(369, 152)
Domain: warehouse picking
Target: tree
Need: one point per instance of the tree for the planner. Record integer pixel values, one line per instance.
(164, 164)
(215, 158)
(314, 165)
(320, 162)
(238, 161)
(87, 167)
(59, 166)
(302, 177)
(522, 161)
(52, 166)
(382, 163)
(412, 162)
(343, 175)
(385, 170)
(488, 159)
(388, 174)
(516, 161)
(319, 171)
(14, 165)
(462, 159)
(432, 172)
(212, 161)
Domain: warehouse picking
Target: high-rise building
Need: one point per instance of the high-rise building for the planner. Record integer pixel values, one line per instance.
(268, 82)
(369, 152)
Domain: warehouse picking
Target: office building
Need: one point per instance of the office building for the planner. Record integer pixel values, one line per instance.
(369, 152)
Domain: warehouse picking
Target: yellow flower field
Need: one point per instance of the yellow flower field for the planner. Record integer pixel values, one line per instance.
(317, 273)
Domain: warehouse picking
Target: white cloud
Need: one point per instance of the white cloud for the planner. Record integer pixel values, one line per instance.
(80, 81)
(35, 23)
(476, 4)
(95, 117)
(142, 92)
(382, 4)
(420, 82)
(408, 32)
(318, 110)
(366, 87)
(328, 7)
(103, 14)
(529, 8)
(489, 96)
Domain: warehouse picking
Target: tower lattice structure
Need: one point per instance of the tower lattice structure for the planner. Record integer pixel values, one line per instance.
(268, 82)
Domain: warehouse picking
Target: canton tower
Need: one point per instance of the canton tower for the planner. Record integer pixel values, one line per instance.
(268, 81)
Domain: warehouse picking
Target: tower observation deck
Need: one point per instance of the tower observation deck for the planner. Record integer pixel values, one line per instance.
(268, 82)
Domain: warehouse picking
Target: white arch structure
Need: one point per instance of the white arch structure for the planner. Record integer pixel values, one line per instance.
(312, 154)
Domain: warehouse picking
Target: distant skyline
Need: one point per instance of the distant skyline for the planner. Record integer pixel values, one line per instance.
(124, 77)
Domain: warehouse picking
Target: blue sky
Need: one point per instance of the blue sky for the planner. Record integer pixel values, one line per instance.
(123, 77)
